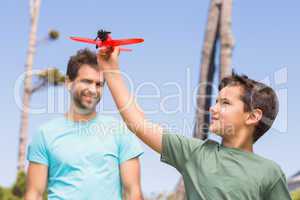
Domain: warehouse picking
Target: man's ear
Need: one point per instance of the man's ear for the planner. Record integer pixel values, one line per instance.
(254, 116)
(68, 83)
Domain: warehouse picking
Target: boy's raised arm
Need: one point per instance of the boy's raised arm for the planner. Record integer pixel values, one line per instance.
(149, 133)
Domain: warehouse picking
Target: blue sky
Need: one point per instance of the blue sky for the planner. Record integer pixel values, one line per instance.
(266, 48)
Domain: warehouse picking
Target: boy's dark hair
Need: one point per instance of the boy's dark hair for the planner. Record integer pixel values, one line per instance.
(82, 57)
(255, 95)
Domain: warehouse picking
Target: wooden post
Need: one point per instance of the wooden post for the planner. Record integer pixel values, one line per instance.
(34, 14)
(207, 69)
(227, 41)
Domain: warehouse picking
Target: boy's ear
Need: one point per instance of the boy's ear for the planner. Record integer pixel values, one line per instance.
(254, 116)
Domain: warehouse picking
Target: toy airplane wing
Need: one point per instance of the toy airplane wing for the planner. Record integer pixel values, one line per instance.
(125, 41)
(104, 39)
(86, 40)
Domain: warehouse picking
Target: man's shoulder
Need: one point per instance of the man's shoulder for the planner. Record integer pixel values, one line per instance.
(112, 124)
(60, 122)
(108, 120)
(52, 124)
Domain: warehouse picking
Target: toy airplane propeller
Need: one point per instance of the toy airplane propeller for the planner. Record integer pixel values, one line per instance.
(104, 39)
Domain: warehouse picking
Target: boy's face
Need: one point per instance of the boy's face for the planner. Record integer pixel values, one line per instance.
(227, 115)
(86, 89)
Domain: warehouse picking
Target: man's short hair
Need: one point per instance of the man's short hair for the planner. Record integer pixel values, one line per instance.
(82, 57)
(255, 95)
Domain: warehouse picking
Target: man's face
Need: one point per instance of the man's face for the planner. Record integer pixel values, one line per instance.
(227, 115)
(87, 88)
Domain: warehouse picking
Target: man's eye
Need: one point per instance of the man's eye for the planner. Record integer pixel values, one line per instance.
(100, 84)
(85, 81)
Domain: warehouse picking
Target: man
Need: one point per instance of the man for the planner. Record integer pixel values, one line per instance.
(244, 111)
(84, 155)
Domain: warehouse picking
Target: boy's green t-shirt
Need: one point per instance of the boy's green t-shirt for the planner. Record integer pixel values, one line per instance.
(213, 172)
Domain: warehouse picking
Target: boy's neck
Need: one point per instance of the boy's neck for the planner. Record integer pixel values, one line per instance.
(242, 141)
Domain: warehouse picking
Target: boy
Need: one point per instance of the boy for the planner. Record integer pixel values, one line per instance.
(244, 111)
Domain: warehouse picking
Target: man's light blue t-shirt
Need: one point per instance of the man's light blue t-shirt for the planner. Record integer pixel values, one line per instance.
(83, 158)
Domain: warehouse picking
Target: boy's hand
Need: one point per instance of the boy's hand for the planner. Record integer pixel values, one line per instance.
(108, 58)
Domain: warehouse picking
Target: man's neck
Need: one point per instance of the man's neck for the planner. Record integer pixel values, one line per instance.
(78, 116)
(239, 141)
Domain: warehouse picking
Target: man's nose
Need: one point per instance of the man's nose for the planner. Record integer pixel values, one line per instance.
(92, 88)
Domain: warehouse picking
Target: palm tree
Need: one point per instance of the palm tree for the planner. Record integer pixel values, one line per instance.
(28, 90)
(34, 14)
(48, 77)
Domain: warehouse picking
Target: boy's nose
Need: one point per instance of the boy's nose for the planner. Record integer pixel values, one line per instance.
(212, 109)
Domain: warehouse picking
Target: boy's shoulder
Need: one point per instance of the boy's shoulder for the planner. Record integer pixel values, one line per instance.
(271, 167)
(266, 169)
(253, 160)
(270, 173)
(267, 164)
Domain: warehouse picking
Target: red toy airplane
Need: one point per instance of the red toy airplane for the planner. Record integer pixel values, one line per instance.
(104, 39)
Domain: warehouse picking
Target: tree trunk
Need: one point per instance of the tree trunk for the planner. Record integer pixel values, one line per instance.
(34, 14)
(227, 40)
(207, 69)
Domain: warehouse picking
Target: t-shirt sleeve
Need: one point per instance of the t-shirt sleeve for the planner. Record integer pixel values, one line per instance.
(177, 149)
(278, 191)
(129, 146)
(37, 149)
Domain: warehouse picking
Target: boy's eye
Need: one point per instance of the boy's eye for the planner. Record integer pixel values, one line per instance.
(225, 103)
(222, 101)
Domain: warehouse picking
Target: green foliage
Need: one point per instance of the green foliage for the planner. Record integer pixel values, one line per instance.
(18, 188)
(6, 194)
(1, 193)
(53, 34)
(52, 76)
(296, 195)
(17, 191)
